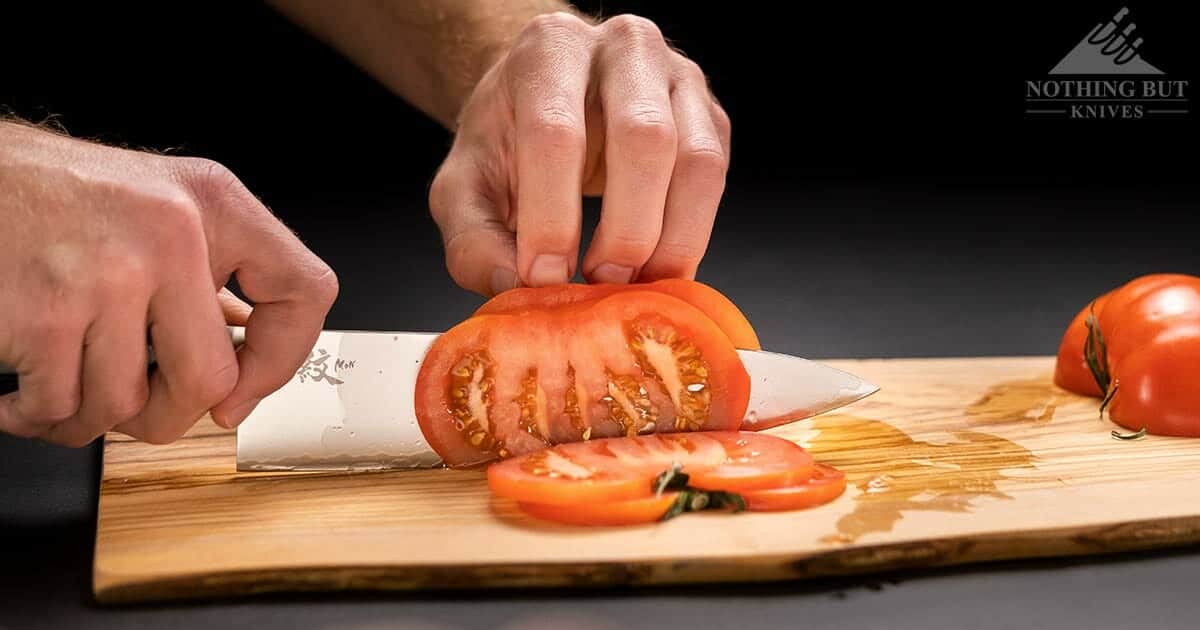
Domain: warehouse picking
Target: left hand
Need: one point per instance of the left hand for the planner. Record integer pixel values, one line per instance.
(575, 109)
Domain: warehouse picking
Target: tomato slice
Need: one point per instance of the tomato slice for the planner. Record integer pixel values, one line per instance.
(710, 301)
(619, 469)
(632, 363)
(825, 485)
(753, 461)
(633, 512)
(555, 477)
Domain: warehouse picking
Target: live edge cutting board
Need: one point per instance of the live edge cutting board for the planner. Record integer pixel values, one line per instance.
(953, 461)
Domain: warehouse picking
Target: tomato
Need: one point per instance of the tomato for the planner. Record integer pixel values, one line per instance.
(712, 302)
(647, 509)
(826, 484)
(1147, 354)
(630, 363)
(619, 469)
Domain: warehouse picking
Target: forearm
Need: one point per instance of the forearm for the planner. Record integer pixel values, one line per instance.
(429, 52)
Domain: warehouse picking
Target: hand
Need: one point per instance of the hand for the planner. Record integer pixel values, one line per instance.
(576, 109)
(105, 249)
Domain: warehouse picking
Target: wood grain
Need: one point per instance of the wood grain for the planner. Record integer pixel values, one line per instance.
(953, 461)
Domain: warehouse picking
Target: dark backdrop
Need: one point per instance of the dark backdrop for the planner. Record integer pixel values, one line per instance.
(883, 168)
(888, 197)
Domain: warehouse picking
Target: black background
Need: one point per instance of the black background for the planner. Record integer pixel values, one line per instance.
(887, 197)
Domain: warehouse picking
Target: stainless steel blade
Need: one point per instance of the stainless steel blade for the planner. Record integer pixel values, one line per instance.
(350, 406)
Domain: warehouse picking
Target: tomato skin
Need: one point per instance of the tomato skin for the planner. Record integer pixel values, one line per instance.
(1158, 385)
(826, 484)
(1071, 370)
(1150, 327)
(702, 296)
(646, 509)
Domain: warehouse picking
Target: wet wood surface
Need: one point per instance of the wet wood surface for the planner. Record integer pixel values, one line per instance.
(953, 461)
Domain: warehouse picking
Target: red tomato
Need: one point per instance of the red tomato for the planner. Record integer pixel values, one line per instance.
(826, 484)
(1150, 359)
(619, 469)
(631, 363)
(712, 302)
(647, 509)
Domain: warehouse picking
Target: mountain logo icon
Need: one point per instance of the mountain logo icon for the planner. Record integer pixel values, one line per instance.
(1110, 48)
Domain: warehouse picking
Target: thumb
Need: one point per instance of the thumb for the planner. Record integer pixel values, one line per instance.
(237, 312)
(481, 252)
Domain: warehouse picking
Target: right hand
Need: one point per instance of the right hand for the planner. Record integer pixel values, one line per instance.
(106, 249)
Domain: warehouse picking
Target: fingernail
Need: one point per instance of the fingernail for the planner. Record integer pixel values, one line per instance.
(239, 413)
(548, 269)
(613, 274)
(503, 280)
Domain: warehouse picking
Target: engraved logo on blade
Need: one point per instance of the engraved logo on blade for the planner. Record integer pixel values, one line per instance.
(318, 365)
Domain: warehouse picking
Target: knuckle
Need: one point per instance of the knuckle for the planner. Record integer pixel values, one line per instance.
(721, 120)
(202, 387)
(120, 273)
(216, 384)
(556, 131)
(125, 406)
(692, 71)
(552, 23)
(682, 254)
(646, 129)
(704, 161)
(325, 285)
(635, 27)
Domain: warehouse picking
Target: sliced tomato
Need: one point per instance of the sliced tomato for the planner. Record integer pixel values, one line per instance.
(618, 469)
(702, 296)
(753, 461)
(825, 485)
(632, 512)
(631, 363)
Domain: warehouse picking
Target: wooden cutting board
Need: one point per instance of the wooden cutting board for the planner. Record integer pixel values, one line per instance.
(953, 461)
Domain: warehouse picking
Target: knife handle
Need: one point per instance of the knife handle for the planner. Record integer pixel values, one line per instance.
(8, 376)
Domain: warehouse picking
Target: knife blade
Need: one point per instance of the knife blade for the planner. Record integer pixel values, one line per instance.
(350, 405)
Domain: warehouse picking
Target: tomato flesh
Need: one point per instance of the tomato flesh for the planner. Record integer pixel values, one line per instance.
(711, 302)
(630, 363)
(825, 485)
(616, 469)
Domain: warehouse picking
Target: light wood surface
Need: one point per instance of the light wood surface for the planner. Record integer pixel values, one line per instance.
(953, 461)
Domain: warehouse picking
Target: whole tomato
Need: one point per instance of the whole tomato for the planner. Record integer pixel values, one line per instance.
(1139, 345)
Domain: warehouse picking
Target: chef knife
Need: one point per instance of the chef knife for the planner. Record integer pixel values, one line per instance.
(350, 405)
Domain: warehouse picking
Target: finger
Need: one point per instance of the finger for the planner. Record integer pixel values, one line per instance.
(548, 80)
(237, 312)
(291, 288)
(481, 252)
(639, 148)
(196, 365)
(697, 182)
(48, 382)
(114, 382)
